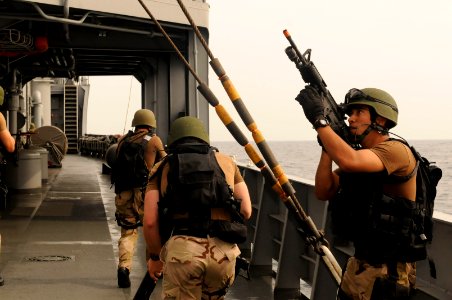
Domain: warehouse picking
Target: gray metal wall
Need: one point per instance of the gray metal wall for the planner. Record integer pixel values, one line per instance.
(171, 91)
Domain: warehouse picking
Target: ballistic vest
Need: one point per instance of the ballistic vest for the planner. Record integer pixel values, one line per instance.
(196, 185)
(129, 170)
(381, 227)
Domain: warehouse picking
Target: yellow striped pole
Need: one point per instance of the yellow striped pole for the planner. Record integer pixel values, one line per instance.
(276, 176)
(252, 127)
(317, 240)
(224, 116)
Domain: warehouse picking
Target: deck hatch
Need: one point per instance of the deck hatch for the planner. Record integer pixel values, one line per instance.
(50, 258)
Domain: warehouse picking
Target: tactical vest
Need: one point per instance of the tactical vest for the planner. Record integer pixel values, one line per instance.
(381, 227)
(196, 184)
(129, 170)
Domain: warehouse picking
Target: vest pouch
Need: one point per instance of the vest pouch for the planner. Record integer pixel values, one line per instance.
(230, 232)
(417, 251)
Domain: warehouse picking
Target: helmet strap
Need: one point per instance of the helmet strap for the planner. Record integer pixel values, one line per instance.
(358, 138)
(379, 128)
(373, 126)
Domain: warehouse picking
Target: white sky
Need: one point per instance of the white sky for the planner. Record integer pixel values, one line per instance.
(403, 47)
(112, 116)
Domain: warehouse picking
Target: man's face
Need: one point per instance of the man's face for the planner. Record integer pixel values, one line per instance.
(358, 119)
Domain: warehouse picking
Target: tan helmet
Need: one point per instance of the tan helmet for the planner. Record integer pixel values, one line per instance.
(187, 127)
(383, 103)
(144, 117)
(2, 95)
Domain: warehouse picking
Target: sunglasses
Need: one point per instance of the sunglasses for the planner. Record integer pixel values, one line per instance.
(354, 94)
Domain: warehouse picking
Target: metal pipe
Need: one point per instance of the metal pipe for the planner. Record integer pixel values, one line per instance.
(80, 22)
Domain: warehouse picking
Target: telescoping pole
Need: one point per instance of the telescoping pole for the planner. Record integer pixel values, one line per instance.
(225, 117)
(316, 239)
(278, 180)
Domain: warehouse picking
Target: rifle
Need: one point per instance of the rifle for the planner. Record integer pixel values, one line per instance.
(146, 288)
(242, 263)
(334, 113)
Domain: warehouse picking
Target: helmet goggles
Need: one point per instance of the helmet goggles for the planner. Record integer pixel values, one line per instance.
(356, 94)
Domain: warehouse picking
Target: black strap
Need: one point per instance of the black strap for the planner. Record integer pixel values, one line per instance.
(400, 179)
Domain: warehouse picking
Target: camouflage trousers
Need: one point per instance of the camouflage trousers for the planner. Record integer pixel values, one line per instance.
(362, 281)
(197, 268)
(130, 209)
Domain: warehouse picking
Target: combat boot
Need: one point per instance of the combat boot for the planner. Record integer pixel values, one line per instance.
(123, 277)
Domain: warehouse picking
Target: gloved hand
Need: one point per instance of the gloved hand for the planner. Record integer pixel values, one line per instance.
(311, 101)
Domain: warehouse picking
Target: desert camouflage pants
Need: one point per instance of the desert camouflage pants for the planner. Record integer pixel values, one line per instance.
(362, 281)
(197, 268)
(129, 206)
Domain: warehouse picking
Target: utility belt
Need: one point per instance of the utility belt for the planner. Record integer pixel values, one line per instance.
(184, 226)
(220, 225)
(216, 213)
(191, 232)
(378, 259)
(376, 262)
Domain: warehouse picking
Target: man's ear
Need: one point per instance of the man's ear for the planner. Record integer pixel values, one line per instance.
(381, 121)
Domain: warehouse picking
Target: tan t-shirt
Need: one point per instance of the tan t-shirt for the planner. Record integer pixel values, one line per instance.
(398, 160)
(154, 151)
(2, 122)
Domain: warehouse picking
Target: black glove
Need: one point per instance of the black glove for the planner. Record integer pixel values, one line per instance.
(311, 101)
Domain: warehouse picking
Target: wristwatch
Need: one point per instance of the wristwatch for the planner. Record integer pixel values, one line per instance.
(321, 122)
(154, 257)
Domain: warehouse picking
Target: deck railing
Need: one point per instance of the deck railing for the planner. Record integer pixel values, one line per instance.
(276, 248)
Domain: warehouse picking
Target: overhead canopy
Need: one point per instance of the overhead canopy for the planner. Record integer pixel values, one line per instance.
(87, 38)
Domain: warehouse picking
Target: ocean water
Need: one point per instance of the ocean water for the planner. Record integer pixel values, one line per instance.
(300, 158)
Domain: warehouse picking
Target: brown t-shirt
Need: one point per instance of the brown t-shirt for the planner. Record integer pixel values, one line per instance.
(398, 160)
(2, 122)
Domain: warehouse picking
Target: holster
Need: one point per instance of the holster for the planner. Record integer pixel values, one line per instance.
(126, 224)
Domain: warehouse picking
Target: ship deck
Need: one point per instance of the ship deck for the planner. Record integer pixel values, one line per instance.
(60, 241)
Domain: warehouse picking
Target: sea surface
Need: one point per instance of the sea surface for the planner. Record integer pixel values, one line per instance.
(300, 158)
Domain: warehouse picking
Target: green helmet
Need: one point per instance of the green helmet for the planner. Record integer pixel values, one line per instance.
(187, 127)
(2, 95)
(144, 117)
(383, 103)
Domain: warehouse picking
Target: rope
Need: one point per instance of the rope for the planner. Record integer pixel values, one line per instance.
(171, 42)
(128, 105)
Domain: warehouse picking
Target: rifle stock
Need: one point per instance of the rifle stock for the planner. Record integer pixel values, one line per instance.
(146, 288)
(333, 112)
(242, 263)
